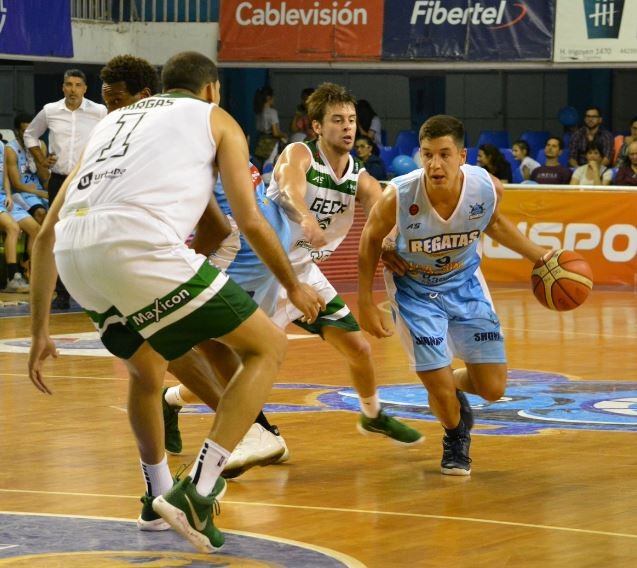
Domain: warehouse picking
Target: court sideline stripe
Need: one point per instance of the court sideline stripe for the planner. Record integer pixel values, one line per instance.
(355, 511)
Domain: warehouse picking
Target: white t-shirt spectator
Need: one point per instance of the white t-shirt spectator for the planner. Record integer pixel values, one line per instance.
(376, 127)
(266, 119)
(529, 163)
(580, 175)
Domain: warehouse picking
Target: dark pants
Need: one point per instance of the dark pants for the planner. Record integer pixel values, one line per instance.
(55, 183)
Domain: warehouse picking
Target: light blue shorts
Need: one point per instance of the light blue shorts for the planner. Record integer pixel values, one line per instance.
(433, 327)
(28, 201)
(18, 213)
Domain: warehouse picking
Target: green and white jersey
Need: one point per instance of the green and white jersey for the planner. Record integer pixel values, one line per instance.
(331, 199)
(154, 158)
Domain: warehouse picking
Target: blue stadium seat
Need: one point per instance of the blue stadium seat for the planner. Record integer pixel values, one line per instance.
(405, 141)
(472, 156)
(563, 159)
(536, 139)
(499, 138)
(387, 155)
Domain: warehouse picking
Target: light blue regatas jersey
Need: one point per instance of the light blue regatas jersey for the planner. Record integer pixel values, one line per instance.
(2, 168)
(26, 165)
(442, 254)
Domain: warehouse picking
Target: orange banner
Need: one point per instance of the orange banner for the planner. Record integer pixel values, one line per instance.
(300, 30)
(599, 225)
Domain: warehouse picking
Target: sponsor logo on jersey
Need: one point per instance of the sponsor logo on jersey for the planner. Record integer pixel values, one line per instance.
(161, 308)
(488, 336)
(413, 209)
(85, 181)
(424, 340)
(327, 206)
(441, 243)
(324, 223)
(435, 13)
(476, 211)
(95, 178)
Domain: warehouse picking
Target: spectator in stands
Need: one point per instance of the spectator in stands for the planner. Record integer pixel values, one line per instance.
(368, 122)
(301, 125)
(521, 151)
(621, 158)
(368, 153)
(592, 131)
(492, 160)
(267, 121)
(70, 122)
(627, 174)
(552, 172)
(594, 172)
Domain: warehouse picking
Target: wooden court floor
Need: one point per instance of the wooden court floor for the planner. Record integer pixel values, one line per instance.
(558, 488)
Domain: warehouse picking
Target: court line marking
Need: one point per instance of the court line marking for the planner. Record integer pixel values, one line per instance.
(385, 307)
(344, 510)
(349, 561)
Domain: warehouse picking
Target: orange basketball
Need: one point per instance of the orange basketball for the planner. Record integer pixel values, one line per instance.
(562, 280)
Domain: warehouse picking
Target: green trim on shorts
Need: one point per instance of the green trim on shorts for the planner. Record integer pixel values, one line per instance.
(223, 313)
(174, 300)
(347, 322)
(117, 336)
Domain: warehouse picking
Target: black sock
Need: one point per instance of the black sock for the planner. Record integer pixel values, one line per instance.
(12, 270)
(457, 431)
(261, 419)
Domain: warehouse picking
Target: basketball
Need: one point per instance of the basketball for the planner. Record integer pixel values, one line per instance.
(562, 280)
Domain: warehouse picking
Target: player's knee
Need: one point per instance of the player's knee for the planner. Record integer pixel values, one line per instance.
(12, 230)
(276, 344)
(359, 349)
(493, 391)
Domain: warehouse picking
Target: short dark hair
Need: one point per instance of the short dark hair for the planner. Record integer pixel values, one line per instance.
(595, 108)
(593, 145)
(75, 73)
(369, 142)
(523, 145)
(327, 94)
(21, 118)
(188, 70)
(560, 142)
(135, 72)
(441, 125)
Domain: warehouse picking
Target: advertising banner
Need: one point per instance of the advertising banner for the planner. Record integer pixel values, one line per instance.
(599, 225)
(596, 30)
(36, 27)
(469, 30)
(300, 30)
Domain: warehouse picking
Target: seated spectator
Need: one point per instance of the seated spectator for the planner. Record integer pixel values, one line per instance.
(267, 122)
(301, 125)
(621, 158)
(594, 172)
(368, 122)
(592, 131)
(520, 151)
(552, 172)
(627, 174)
(492, 160)
(368, 153)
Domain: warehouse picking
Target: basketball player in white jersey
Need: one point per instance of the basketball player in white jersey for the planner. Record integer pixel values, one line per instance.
(317, 184)
(439, 298)
(124, 215)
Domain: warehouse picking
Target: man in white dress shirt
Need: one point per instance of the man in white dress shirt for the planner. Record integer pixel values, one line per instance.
(69, 121)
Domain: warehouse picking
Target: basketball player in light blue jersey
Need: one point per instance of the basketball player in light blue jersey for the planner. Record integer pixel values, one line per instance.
(440, 302)
(28, 191)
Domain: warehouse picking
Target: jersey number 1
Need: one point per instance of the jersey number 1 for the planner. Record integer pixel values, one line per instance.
(118, 145)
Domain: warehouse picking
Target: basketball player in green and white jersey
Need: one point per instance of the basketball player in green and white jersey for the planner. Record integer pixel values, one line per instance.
(318, 184)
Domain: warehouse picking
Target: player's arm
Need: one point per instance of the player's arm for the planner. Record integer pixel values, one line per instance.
(232, 158)
(502, 230)
(43, 277)
(289, 174)
(212, 228)
(380, 222)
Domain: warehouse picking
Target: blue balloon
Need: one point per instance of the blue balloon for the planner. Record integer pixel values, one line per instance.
(568, 116)
(403, 164)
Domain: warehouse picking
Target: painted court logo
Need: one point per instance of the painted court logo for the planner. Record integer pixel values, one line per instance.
(603, 18)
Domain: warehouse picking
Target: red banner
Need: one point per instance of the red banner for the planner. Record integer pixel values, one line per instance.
(300, 30)
(599, 225)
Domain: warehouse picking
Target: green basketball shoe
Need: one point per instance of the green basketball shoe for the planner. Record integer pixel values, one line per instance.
(190, 514)
(148, 520)
(385, 425)
(172, 435)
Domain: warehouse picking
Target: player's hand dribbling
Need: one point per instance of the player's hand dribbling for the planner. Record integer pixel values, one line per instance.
(41, 348)
(372, 320)
(307, 299)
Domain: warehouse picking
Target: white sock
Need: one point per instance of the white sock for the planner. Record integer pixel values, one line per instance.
(370, 405)
(173, 397)
(208, 466)
(157, 477)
